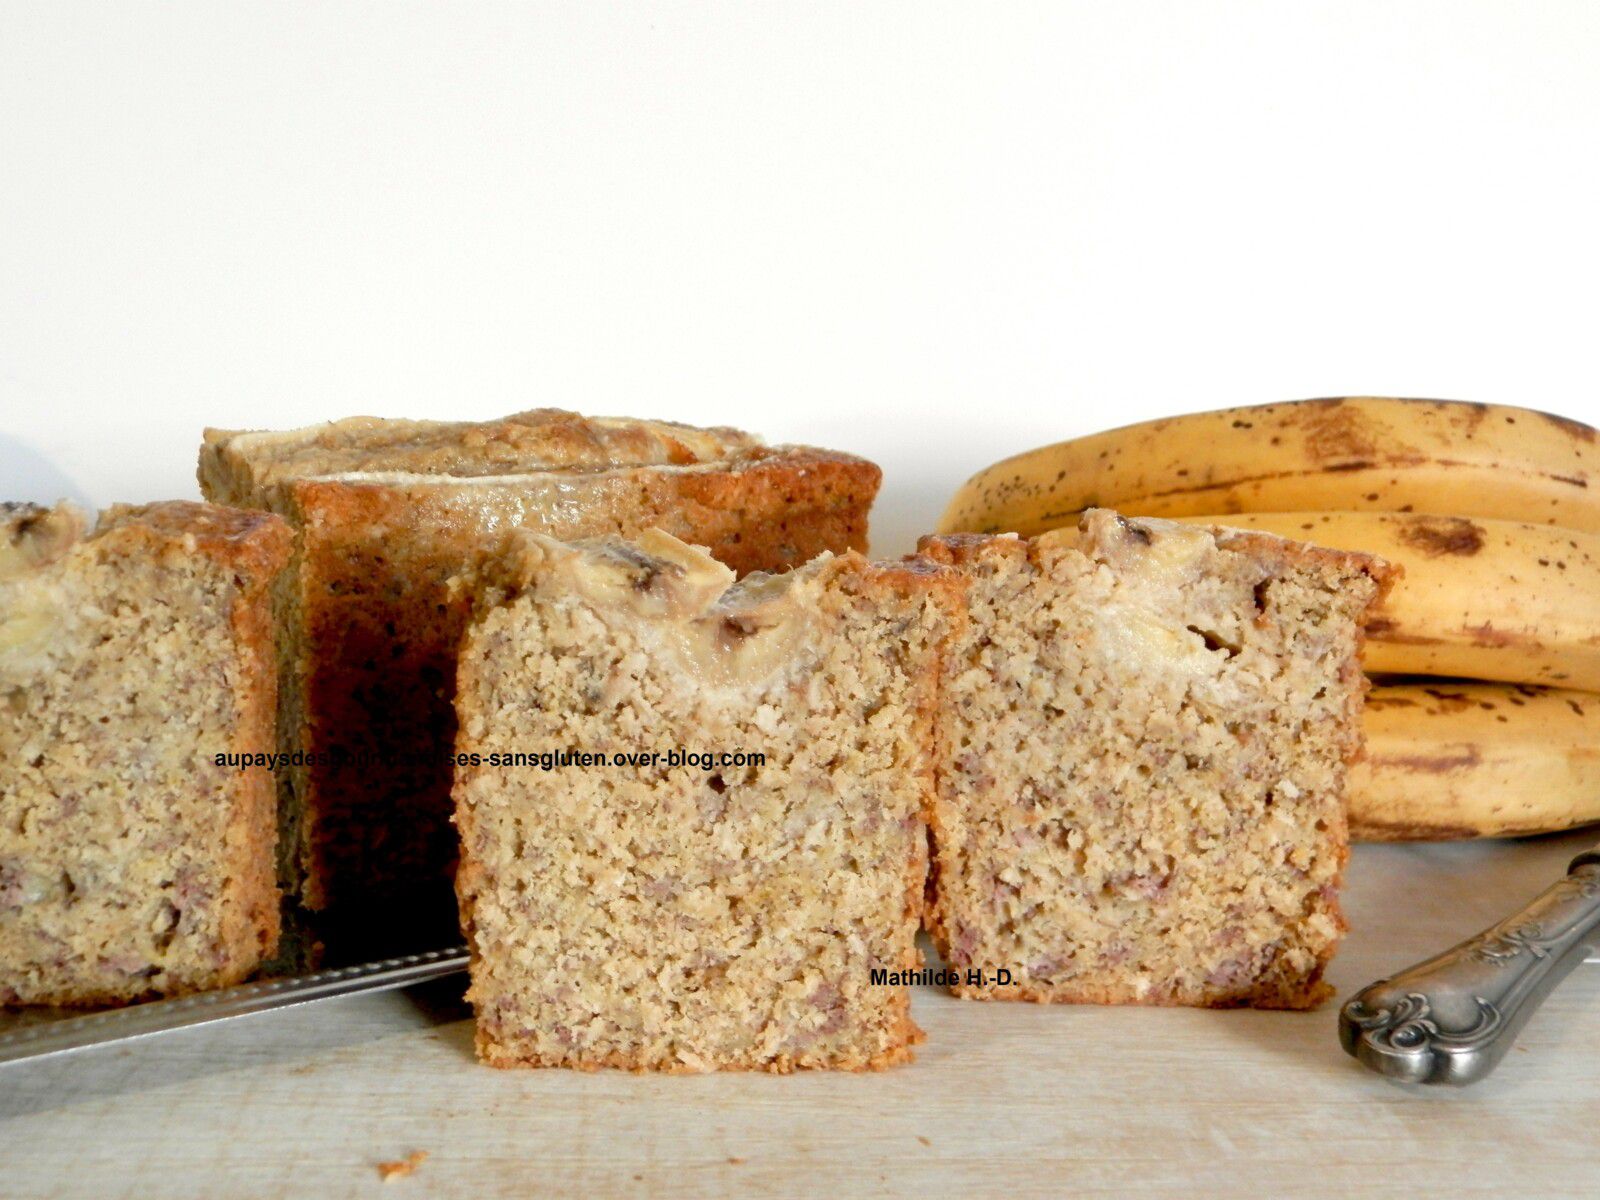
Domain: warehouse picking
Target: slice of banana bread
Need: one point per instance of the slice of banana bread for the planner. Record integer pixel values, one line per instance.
(1143, 799)
(134, 862)
(386, 513)
(709, 915)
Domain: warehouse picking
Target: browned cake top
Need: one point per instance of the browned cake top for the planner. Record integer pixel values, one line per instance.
(541, 439)
(37, 544)
(716, 629)
(32, 536)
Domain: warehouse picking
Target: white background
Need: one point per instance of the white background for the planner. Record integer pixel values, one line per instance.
(935, 234)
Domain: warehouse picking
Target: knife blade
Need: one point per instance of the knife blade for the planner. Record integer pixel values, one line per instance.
(70, 1034)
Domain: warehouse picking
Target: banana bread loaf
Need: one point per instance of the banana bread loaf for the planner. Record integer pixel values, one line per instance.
(1143, 800)
(386, 512)
(136, 858)
(712, 914)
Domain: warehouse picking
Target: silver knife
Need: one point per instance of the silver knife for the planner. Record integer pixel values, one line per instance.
(162, 1016)
(1451, 1019)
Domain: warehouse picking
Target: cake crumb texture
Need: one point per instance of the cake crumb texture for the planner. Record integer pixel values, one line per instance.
(1148, 726)
(687, 919)
(131, 864)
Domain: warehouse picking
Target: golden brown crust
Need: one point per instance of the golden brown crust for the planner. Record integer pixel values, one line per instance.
(252, 541)
(536, 440)
(1311, 995)
(909, 1033)
(963, 549)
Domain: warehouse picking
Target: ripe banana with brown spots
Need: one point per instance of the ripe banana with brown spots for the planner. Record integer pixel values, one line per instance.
(1492, 600)
(1447, 760)
(1354, 454)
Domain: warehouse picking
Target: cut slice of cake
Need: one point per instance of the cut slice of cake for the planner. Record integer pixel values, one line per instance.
(1143, 799)
(136, 666)
(719, 913)
(386, 512)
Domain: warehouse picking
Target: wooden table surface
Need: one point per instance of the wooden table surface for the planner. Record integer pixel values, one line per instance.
(1003, 1100)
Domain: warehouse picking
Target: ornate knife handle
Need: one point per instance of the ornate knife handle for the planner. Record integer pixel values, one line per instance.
(1452, 1018)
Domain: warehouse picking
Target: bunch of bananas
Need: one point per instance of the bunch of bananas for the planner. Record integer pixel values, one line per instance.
(1492, 513)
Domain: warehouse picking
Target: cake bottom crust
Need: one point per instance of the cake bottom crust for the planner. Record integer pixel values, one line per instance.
(1303, 996)
(908, 1034)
